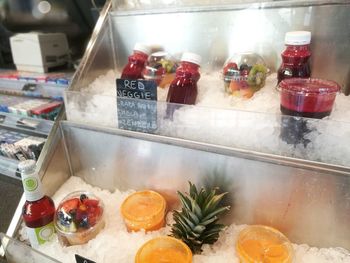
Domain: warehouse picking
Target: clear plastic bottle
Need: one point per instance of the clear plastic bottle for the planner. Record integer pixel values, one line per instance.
(137, 61)
(39, 209)
(183, 88)
(295, 58)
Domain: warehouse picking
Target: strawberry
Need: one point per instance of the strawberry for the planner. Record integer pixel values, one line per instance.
(230, 65)
(80, 214)
(94, 214)
(70, 204)
(90, 202)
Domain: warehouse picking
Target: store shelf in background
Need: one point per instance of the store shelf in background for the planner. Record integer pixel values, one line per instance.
(27, 124)
(8, 167)
(32, 107)
(20, 138)
(50, 85)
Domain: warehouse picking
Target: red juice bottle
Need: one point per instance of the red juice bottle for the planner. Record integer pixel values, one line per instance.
(295, 58)
(183, 89)
(137, 61)
(39, 209)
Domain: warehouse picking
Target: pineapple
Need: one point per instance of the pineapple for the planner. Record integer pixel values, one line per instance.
(196, 223)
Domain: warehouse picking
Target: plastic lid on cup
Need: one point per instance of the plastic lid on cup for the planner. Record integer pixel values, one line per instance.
(143, 205)
(164, 249)
(309, 86)
(191, 57)
(143, 48)
(258, 243)
(297, 38)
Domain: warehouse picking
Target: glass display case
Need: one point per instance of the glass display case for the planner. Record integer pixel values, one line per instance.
(299, 188)
(223, 30)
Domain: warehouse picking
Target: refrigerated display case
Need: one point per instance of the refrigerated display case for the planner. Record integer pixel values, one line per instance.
(216, 31)
(294, 189)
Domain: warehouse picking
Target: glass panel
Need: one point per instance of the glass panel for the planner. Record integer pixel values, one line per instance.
(310, 139)
(17, 252)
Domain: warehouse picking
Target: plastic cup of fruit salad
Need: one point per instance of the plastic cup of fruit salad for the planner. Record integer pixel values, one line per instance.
(79, 218)
(259, 243)
(164, 249)
(244, 74)
(160, 67)
(144, 210)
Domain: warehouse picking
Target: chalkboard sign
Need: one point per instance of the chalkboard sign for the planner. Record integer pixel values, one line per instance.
(80, 259)
(137, 105)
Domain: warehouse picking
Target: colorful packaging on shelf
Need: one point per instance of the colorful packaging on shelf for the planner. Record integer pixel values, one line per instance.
(20, 146)
(33, 107)
(30, 77)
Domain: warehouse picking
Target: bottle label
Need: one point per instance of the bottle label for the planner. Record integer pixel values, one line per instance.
(30, 184)
(32, 187)
(39, 235)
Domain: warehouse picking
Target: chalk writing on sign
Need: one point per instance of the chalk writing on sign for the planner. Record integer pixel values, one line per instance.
(137, 105)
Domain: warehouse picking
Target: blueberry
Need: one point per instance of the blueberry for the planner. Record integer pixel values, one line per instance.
(84, 222)
(83, 196)
(60, 215)
(65, 222)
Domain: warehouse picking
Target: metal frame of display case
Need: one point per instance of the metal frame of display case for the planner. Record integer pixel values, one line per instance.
(65, 154)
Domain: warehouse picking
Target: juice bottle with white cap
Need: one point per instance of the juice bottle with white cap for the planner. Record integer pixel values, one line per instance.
(137, 61)
(183, 88)
(295, 58)
(39, 209)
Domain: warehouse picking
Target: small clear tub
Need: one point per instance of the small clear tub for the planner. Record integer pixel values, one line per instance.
(244, 74)
(160, 67)
(311, 98)
(144, 210)
(79, 218)
(260, 244)
(164, 249)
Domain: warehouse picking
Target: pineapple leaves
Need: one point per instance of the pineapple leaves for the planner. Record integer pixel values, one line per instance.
(196, 223)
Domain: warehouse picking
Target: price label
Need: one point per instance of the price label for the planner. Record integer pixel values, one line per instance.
(137, 105)
(80, 259)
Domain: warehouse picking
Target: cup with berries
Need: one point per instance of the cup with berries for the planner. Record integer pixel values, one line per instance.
(244, 74)
(79, 218)
(160, 67)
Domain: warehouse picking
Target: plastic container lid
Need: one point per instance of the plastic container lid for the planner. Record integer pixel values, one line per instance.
(309, 86)
(160, 54)
(191, 57)
(259, 243)
(143, 206)
(297, 38)
(143, 48)
(161, 68)
(79, 218)
(164, 249)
